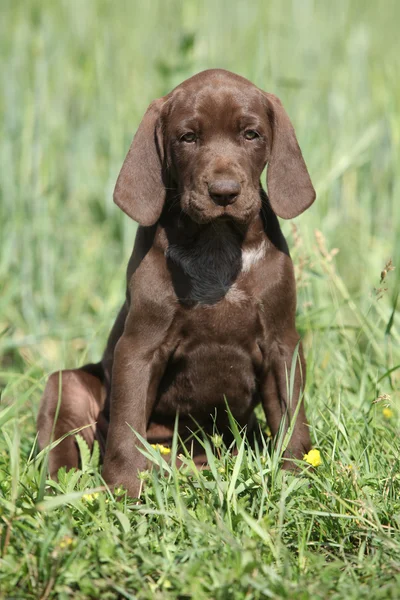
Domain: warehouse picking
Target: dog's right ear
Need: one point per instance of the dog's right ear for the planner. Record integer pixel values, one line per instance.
(140, 190)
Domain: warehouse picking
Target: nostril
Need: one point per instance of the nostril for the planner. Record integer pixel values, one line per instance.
(224, 191)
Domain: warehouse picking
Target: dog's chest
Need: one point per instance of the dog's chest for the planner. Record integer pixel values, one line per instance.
(217, 357)
(204, 270)
(218, 325)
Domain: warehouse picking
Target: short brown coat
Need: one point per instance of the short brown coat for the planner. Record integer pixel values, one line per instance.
(210, 307)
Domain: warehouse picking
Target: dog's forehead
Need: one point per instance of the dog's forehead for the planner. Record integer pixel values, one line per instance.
(216, 77)
(215, 95)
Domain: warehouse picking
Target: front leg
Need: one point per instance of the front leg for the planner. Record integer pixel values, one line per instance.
(280, 403)
(137, 371)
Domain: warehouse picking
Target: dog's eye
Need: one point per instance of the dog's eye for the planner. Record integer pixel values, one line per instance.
(189, 137)
(250, 134)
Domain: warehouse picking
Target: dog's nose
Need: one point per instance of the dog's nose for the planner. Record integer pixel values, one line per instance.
(224, 191)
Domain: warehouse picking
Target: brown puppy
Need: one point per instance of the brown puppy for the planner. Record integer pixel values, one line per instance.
(210, 302)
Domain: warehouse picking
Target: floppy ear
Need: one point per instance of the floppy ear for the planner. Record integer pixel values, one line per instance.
(290, 190)
(139, 190)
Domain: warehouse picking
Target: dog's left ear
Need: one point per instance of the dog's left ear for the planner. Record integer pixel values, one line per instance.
(139, 190)
(290, 190)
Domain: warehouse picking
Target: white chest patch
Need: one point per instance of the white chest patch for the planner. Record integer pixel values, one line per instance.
(235, 295)
(252, 256)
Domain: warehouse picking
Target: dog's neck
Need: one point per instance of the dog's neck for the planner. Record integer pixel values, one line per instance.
(205, 260)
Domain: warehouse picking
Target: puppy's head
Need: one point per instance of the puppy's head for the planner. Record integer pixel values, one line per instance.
(205, 146)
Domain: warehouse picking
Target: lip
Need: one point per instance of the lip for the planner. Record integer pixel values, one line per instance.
(204, 211)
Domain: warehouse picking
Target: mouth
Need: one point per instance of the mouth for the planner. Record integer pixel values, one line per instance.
(201, 210)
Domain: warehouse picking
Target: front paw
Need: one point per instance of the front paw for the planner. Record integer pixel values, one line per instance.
(291, 455)
(289, 464)
(118, 482)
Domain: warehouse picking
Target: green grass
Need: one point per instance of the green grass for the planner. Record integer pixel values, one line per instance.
(76, 78)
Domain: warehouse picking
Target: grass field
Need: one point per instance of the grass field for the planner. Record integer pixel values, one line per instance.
(76, 77)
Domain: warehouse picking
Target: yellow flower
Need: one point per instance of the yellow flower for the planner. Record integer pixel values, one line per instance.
(217, 440)
(313, 458)
(162, 449)
(387, 412)
(65, 542)
(90, 498)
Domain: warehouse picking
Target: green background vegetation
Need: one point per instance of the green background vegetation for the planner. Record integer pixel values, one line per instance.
(75, 78)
